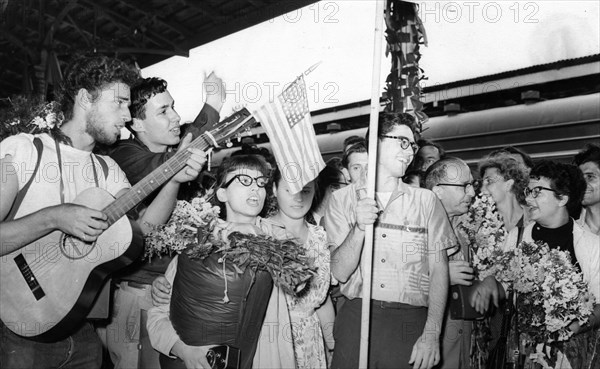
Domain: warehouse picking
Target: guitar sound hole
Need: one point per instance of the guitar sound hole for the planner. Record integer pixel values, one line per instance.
(74, 248)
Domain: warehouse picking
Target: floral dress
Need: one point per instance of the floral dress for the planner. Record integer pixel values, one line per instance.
(309, 345)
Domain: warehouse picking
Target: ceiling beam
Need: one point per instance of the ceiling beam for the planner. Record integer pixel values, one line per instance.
(82, 32)
(58, 20)
(206, 9)
(16, 41)
(240, 21)
(53, 15)
(257, 3)
(122, 21)
(152, 14)
(137, 50)
(13, 86)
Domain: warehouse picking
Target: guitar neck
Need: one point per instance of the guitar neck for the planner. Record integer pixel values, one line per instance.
(154, 180)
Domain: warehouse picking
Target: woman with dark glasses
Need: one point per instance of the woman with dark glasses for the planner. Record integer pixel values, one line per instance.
(196, 316)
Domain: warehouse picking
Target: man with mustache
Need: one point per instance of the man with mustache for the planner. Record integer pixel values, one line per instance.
(156, 132)
(94, 99)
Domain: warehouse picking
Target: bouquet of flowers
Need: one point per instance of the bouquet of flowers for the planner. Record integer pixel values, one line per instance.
(181, 231)
(551, 293)
(29, 115)
(191, 229)
(484, 229)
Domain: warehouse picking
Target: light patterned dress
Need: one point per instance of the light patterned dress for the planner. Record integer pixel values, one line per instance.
(309, 345)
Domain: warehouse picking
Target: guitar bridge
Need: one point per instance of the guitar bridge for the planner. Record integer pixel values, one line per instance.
(29, 277)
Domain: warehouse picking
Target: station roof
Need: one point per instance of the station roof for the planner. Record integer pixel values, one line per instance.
(38, 36)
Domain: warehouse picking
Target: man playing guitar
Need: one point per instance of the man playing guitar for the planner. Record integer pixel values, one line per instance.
(94, 98)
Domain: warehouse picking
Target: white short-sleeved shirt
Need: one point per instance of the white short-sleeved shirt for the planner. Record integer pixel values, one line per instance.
(77, 171)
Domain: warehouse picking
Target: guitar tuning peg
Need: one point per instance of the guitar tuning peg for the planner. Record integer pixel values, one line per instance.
(228, 143)
(239, 138)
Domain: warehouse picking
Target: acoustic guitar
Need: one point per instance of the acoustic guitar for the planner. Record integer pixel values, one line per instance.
(48, 287)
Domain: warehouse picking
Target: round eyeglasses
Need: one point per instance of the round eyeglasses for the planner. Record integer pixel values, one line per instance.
(246, 180)
(404, 142)
(535, 192)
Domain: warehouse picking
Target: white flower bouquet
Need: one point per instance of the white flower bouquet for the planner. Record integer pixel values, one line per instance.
(551, 294)
(482, 226)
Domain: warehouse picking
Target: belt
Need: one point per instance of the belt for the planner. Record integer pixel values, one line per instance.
(393, 305)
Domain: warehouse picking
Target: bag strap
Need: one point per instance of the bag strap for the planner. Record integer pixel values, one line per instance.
(21, 194)
(103, 165)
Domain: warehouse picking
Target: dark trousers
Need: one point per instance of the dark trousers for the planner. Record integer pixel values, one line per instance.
(393, 333)
(83, 349)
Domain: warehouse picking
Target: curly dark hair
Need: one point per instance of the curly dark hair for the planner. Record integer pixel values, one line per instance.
(509, 168)
(141, 92)
(565, 179)
(388, 121)
(590, 153)
(91, 73)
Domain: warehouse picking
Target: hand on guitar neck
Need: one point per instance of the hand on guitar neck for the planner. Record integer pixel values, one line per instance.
(159, 211)
(56, 259)
(81, 221)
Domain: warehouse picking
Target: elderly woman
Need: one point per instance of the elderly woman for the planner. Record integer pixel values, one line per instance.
(505, 178)
(553, 197)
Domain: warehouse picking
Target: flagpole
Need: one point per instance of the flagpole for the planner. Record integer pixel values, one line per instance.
(367, 255)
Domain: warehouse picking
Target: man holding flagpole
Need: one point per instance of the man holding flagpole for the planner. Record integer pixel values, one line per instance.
(410, 265)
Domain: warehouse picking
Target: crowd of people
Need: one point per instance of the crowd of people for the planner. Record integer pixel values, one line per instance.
(422, 196)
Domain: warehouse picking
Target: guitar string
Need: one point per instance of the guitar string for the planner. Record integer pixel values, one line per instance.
(203, 142)
(166, 171)
(34, 265)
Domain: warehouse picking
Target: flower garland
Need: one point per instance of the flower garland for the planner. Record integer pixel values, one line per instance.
(405, 33)
(29, 115)
(484, 229)
(191, 229)
(551, 294)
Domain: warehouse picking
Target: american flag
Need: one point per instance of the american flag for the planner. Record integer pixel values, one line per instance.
(290, 130)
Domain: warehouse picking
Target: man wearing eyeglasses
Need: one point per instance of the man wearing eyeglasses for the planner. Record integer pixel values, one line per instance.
(452, 182)
(410, 266)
